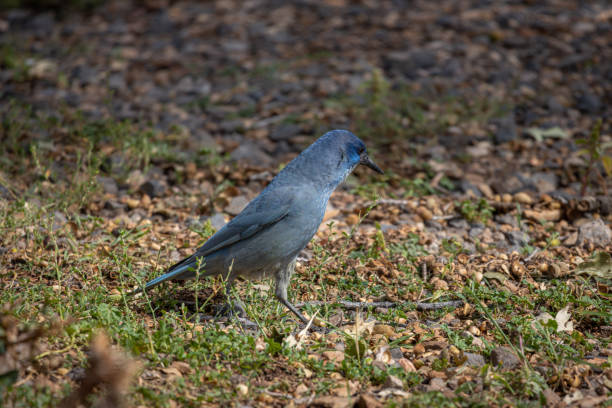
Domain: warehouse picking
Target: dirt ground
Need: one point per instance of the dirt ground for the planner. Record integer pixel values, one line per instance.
(131, 131)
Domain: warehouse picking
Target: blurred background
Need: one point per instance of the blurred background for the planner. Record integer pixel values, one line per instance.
(435, 88)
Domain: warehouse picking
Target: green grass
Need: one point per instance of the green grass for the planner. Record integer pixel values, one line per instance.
(160, 330)
(479, 211)
(79, 272)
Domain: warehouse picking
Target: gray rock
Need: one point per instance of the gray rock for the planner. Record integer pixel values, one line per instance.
(153, 188)
(554, 106)
(84, 74)
(466, 186)
(108, 185)
(474, 360)
(114, 206)
(385, 227)
(512, 183)
(506, 129)
(408, 62)
(235, 46)
(236, 205)
(217, 221)
(160, 23)
(5, 193)
(116, 81)
(459, 223)
(476, 231)
(434, 225)
(545, 182)
(59, 219)
(326, 86)
(505, 358)
(508, 219)
(201, 140)
(77, 374)
(588, 102)
(285, 131)
(134, 179)
(115, 163)
(517, 238)
(42, 23)
(282, 147)
(118, 27)
(468, 248)
(230, 126)
(437, 384)
(393, 382)
(251, 153)
(73, 99)
(552, 399)
(396, 353)
(594, 232)
(190, 86)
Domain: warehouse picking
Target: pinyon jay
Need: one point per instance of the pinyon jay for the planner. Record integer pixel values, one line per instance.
(267, 236)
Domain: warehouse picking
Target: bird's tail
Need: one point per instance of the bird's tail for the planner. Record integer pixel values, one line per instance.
(177, 271)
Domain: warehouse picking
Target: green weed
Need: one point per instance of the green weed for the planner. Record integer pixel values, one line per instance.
(480, 211)
(595, 151)
(384, 114)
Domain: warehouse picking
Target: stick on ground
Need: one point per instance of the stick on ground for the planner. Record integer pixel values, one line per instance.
(422, 306)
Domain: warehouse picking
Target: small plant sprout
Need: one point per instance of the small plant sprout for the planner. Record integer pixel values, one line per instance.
(593, 151)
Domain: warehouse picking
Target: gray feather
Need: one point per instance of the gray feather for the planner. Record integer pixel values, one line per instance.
(266, 237)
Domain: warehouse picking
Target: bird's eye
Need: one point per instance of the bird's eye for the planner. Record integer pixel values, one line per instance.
(361, 149)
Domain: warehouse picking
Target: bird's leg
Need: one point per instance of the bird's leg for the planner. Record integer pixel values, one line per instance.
(231, 306)
(282, 282)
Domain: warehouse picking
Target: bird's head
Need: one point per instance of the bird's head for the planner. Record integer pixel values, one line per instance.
(329, 160)
(353, 152)
(344, 151)
(334, 156)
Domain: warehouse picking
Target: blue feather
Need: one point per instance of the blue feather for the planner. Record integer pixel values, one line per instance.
(167, 276)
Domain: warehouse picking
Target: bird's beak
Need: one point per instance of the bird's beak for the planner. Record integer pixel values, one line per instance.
(366, 161)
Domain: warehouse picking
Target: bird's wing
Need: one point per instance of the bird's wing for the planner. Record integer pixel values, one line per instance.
(265, 211)
(256, 217)
(242, 227)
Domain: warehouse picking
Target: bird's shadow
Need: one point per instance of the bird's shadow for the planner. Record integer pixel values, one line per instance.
(181, 300)
(203, 306)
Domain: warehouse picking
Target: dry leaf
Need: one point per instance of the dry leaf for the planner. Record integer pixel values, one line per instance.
(497, 276)
(172, 373)
(333, 355)
(573, 397)
(383, 355)
(600, 266)
(242, 389)
(385, 330)
(360, 327)
(296, 341)
(563, 321)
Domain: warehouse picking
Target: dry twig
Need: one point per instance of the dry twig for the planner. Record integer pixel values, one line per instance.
(422, 306)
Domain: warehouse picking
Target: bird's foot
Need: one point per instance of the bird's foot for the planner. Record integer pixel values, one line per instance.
(230, 309)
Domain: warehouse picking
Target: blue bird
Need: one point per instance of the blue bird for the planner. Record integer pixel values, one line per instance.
(267, 236)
